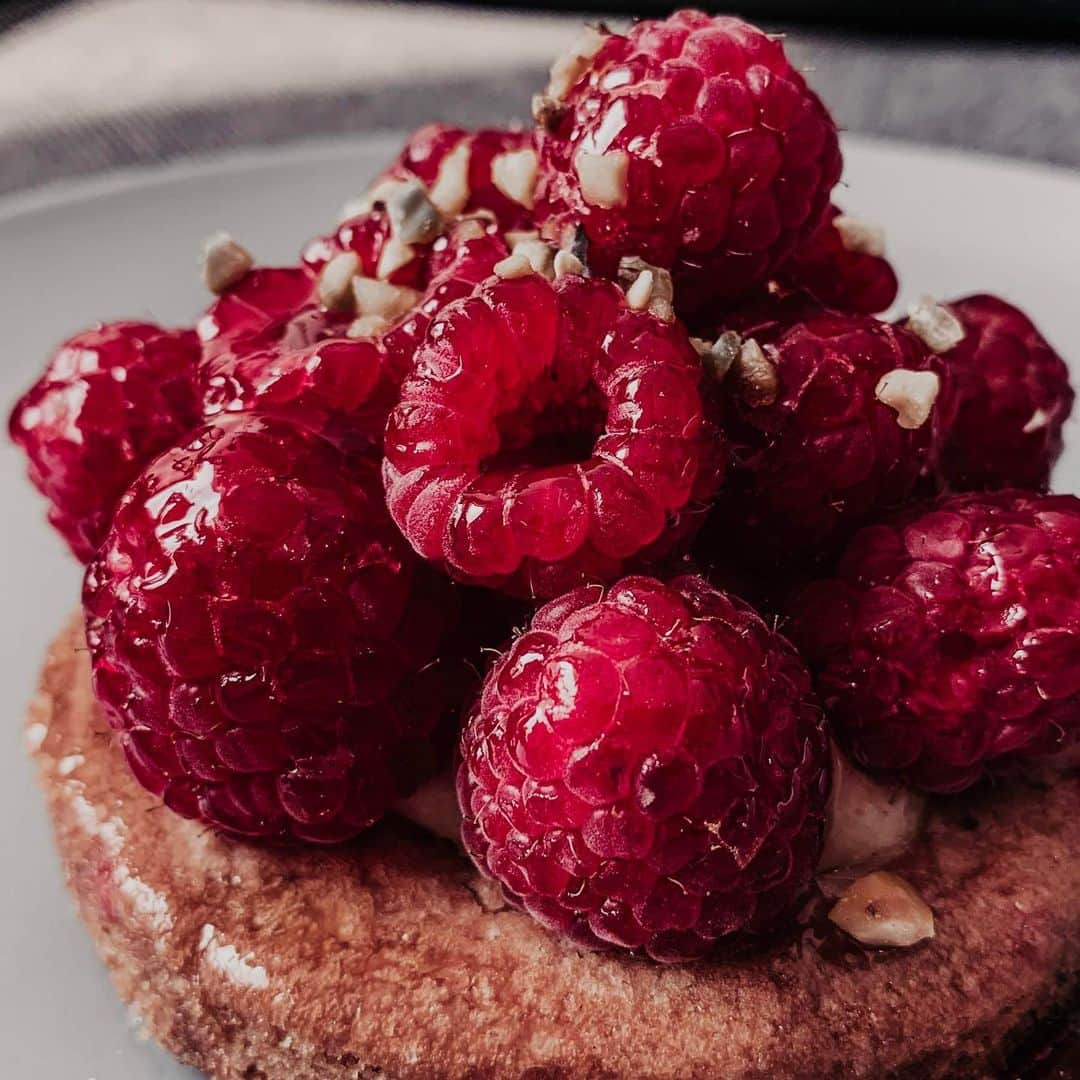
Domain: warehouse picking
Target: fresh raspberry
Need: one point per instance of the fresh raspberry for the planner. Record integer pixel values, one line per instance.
(263, 639)
(690, 142)
(1013, 397)
(949, 640)
(646, 769)
(465, 172)
(826, 428)
(843, 267)
(548, 435)
(110, 399)
(341, 387)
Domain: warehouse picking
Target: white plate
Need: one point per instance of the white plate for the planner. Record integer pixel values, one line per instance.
(125, 245)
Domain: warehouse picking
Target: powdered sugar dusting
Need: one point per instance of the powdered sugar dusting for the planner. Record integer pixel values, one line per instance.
(239, 970)
(146, 901)
(67, 765)
(108, 832)
(35, 736)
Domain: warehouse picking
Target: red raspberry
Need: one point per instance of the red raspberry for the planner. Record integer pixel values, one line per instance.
(547, 435)
(827, 428)
(646, 769)
(111, 399)
(341, 387)
(1013, 397)
(692, 143)
(262, 637)
(949, 640)
(465, 172)
(843, 267)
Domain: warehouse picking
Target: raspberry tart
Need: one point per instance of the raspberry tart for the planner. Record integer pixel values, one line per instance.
(418, 721)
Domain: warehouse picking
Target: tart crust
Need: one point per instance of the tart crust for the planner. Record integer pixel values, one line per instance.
(392, 958)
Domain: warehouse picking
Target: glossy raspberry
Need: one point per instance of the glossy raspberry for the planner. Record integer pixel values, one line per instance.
(110, 399)
(263, 639)
(492, 181)
(728, 156)
(339, 386)
(1013, 399)
(949, 640)
(825, 453)
(840, 278)
(646, 769)
(548, 435)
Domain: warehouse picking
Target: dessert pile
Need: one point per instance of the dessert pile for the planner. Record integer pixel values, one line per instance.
(579, 462)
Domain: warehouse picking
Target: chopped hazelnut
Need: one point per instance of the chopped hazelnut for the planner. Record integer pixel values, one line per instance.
(603, 177)
(224, 262)
(514, 174)
(910, 393)
(939, 329)
(883, 911)
(335, 281)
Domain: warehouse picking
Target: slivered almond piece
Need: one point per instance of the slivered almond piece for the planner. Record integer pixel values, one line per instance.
(514, 174)
(374, 297)
(450, 192)
(571, 65)
(718, 356)
(603, 177)
(513, 266)
(1039, 419)
(939, 329)
(395, 254)
(541, 256)
(640, 292)
(647, 287)
(910, 393)
(434, 806)
(367, 326)
(224, 262)
(335, 281)
(860, 237)
(567, 263)
(883, 911)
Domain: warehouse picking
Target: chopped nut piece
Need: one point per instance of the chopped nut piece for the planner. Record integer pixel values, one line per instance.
(860, 237)
(470, 228)
(640, 292)
(883, 911)
(571, 65)
(567, 263)
(434, 807)
(395, 255)
(541, 256)
(414, 218)
(547, 112)
(367, 326)
(718, 356)
(657, 288)
(335, 282)
(867, 823)
(939, 329)
(603, 177)
(224, 262)
(451, 190)
(755, 375)
(514, 174)
(1039, 419)
(373, 297)
(911, 393)
(520, 236)
(513, 266)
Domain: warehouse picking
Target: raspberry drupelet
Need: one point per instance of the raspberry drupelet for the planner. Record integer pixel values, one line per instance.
(948, 642)
(831, 419)
(549, 434)
(288, 355)
(491, 170)
(646, 769)
(843, 266)
(270, 651)
(1013, 398)
(110, 400)
(692, 143)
